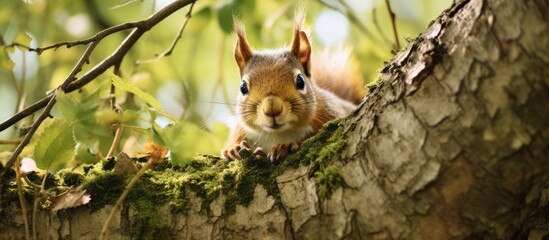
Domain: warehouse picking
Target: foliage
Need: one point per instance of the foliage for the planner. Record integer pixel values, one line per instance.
(190, 84)
(55, 148)
(122, 84)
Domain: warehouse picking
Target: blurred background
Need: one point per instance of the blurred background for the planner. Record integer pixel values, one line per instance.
(199, 82)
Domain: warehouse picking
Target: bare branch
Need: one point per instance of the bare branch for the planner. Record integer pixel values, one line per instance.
(101, 67)
(376, 23)
(393, 22)
(169, 51)
(71, 83)
(10, 142)
(349, 13)
(95, 38)
(31, 132)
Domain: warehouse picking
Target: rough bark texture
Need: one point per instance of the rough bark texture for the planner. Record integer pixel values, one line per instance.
(452, 143)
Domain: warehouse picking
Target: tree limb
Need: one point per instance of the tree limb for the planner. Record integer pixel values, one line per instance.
(169, 51)
(140, 28)
(71, 83)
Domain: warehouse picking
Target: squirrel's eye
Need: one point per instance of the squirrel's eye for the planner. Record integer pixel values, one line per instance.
(244, 88)
(299, 82)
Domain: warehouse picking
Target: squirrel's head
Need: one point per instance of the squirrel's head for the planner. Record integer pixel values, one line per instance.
(276, 94)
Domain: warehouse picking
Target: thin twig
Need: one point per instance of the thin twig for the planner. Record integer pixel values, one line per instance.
(37, 199)
(169, 51)
(393, 22)
(101, 67)
(26, 112)
(95, 38)
(29, 182)
(78, 67)
(10, 142)
(376, 23)
(31, 132)
(16, 87)
(22, 201)
(349, 13)
(115, 141)
(16, 44)
(105, 230)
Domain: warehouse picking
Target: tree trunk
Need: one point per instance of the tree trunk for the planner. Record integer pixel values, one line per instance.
(452, 143)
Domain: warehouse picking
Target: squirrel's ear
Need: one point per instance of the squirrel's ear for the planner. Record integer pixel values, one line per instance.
(242, 51)
(301, 49)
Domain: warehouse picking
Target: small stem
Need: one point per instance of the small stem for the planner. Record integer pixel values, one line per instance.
(105, 230)
(22, 201)
(115, 142)
(393, 22)
(169, 51)
(139, 29)
(10, 142)
(37, 199)
(31, 132)
(30, 183)
(376, 23)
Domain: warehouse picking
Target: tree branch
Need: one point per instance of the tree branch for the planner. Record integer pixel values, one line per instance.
(95, 38)
(393, 22)
(71, 83)
(140, 28)
(30, 133)
(349, 13)
(169, 51)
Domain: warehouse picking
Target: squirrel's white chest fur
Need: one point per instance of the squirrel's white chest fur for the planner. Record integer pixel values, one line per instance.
(268, 140)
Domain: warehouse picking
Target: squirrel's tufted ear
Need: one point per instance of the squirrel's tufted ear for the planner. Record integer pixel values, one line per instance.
(301, 48)
(242, 51)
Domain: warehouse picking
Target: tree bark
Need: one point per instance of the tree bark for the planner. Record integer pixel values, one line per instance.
(452, 143)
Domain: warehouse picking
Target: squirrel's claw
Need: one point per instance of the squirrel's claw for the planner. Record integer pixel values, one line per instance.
(280, 151)
(259, 152)
(232, 152)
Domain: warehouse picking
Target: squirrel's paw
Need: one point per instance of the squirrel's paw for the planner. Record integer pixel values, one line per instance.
(280, 151)
(232, 152)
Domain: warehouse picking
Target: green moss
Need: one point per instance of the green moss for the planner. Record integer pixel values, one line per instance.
(328, 179)
(146, 197)
(104, 188)
(51, 180)
(71, 178)
(8, 189)
(320, 150)
(373, 84)
(206, 176)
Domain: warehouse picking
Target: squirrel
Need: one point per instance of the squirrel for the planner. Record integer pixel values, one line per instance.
(286, 97)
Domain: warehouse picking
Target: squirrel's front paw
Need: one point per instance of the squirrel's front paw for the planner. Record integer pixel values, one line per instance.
(280, 151)
(232, 152)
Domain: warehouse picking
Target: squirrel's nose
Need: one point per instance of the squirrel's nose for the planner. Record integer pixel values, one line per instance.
(272, 106)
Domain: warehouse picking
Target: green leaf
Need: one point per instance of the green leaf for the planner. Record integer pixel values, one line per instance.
(5, 60)
(185, 140)
(79, 109)
(237, 8)
(55, 146)
(127, 86)
(84, 155)
(23, 39)
(225, 17)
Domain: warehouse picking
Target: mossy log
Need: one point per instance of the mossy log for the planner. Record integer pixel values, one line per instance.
(451, 143)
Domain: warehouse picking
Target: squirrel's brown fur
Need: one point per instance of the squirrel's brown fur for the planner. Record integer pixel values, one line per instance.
(286, 96)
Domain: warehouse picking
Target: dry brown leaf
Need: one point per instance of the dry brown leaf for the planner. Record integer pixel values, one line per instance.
(73, 198)
(157, 152)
